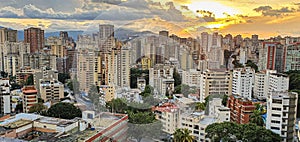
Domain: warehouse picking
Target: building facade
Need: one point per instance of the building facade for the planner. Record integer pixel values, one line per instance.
(35, 37)
(242, 82)
(282, 111)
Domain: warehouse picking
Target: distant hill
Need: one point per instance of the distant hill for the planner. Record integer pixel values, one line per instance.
(121, 34)
(72, 34)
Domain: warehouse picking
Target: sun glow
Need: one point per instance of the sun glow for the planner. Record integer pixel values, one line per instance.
(216, 8)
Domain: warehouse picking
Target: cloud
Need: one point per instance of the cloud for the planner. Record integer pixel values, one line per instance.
(269, 11)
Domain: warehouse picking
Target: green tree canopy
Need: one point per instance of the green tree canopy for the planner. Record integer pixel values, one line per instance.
(183, 135)
(29, 80)
(136, 73)
(37, 108)
(229, 131)
(62, 77)
(64, 110)
(117, 105)
(252, 65)
(143, 125)
(176, 77)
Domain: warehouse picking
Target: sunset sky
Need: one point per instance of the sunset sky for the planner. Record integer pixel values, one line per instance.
(182, 17)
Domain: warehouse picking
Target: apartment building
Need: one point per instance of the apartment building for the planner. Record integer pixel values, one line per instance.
(267, 81)
(11, 57)
(29, 97)
(51, 90)
(215, 82)
(272, 56)
(191, 77)
(123, 67)
(8, 35)
(197, 122)
(161, 78)
(168, 114)
(292, 61)
(5, 97)
(240, 109)
(242, 82)
(35, 37)
(282, 111)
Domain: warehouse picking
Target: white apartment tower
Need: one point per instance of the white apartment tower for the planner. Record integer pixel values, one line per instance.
(267, 81)
(5, 97)
(281, 111)
(242, 82)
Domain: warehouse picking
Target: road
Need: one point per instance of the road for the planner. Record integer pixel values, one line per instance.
(80, 100)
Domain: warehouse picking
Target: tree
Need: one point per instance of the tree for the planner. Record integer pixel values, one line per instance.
(182, 135)
(117, 105)
(64, 110)
(62, 77)
(37, 108)
(177, 77)
(29, 80)
(183, 89)
(74, 85)
(256, 118)
(229, 131)
(135, 73)
(143, 125)
(4, 74)
(147, 91)
(252, 65)
(93, 94)
(224, 100)
(200, 106)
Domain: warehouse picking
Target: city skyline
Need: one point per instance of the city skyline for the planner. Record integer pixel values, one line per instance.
(182, 17)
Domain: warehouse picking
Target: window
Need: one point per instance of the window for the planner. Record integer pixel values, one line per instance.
(275, 128)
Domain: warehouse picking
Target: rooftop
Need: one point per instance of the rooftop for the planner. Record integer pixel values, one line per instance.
(55, 121)
(17, 124)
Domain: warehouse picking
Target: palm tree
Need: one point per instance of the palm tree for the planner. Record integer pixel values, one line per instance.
(256, 118)
(200, 106)
(182, 135)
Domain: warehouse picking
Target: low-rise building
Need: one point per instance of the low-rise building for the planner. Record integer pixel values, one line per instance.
(51, 90)
(29, 97)
(168, 114)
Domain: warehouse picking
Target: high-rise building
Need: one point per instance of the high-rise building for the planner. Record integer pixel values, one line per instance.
(88, 68)
(267, 81)
(106, 38)
(51, 90)
(35, 37)
(11, 56)
(40, 60)
(29, 97)
(272, 56)
(215, 82)
(282, 111)
(8, 35)
(242, 82)
(292, 57)
(123, 67)
(5, 97)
